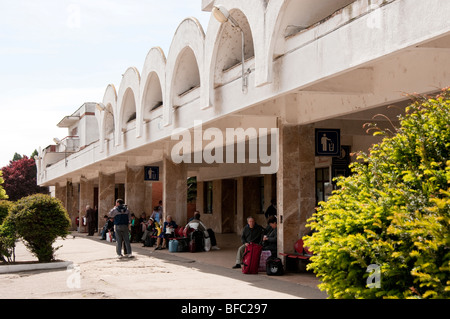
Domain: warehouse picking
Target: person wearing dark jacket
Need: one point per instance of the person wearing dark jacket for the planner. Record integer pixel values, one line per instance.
(272, 209)
(252, 233)
(122, 218)
(270, 238)
(90, 218)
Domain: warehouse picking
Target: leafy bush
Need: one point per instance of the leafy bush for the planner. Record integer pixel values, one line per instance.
(5, 207)
(7, 233)
(40, 219)
(394, 212)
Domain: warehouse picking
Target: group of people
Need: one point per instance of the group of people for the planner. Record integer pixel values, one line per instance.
(254, 233)
(119, 219)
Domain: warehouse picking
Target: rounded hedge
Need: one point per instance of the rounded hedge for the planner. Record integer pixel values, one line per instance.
(7, 232)
(40, 219)
(392, 214)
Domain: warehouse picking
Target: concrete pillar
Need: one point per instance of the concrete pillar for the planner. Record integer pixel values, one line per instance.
(295, 183)
(135, 189)
(175, 191)
(61, 193)
(72, 203)
(148, 200)
(106, 194)
(86, 198)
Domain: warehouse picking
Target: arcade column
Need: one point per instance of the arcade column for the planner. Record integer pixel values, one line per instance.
(135, 189)
(175, 191)
(295, 183)
(106, 194)
(86, 198)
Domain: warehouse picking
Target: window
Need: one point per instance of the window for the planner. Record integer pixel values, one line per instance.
(208, 197)
(323, 184)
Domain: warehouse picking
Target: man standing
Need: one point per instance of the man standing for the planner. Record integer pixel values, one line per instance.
(122, 218)
(252, 233)
(90, 219)
(272, 209)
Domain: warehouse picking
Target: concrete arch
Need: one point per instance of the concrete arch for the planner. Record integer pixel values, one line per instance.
(285, 18)
(152, 86)
(188, 42)
(254, 15)
(127, 99)
(107, 118)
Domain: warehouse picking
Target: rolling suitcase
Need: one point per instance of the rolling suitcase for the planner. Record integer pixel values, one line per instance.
(250, 260)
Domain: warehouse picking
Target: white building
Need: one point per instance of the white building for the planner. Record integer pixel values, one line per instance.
(331, 65)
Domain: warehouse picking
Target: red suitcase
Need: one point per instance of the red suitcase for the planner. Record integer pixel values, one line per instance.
(250, 260)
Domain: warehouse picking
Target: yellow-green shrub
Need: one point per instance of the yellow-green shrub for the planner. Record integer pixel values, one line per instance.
(394, 212)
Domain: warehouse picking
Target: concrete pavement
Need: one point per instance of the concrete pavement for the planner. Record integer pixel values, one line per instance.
(97, 273)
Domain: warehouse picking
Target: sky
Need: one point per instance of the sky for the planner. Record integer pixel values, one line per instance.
(57, 54)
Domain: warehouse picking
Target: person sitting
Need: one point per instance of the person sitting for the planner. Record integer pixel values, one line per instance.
(270, 238)
(153, 229)
(157, 214)
(252, 233)
(196, 224)
(169, 227)
(108, 227)
(142, 224)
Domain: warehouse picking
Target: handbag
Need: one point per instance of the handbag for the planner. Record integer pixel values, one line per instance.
(274, 267)
(109, 236)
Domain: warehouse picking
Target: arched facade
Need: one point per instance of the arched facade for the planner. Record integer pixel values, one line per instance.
(313, 64)
(127, 99)
(185, 59)
(107, 117)
(152, 86)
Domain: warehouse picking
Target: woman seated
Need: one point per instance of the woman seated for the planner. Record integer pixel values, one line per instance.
(169, 227)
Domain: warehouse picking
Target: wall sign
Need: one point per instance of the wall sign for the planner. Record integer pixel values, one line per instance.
(151, 173)
(328, 142)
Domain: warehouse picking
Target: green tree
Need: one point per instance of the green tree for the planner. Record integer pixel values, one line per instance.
(393, 212)
(40, 219)
(17, 157)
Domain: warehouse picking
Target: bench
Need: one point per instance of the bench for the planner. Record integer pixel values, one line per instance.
(301, 253)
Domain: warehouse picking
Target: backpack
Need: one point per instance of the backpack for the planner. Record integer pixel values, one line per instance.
(183, 244)
(274, 267)
(196, 242)
(149, 241)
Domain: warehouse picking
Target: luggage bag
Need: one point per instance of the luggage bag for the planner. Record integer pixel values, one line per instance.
(250, 260)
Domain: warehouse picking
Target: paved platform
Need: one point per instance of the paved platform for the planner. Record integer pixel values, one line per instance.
(97, 274)
(225, 257)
